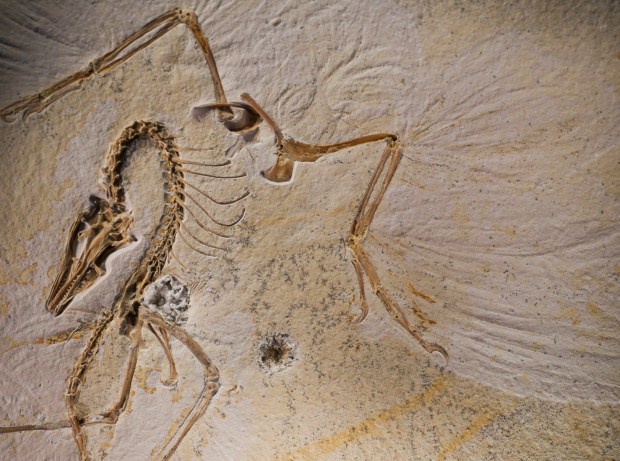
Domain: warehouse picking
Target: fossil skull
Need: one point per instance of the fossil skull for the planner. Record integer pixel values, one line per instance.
(95, 234)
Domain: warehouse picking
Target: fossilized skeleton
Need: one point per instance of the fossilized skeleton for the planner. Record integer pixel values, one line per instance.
(105, 227)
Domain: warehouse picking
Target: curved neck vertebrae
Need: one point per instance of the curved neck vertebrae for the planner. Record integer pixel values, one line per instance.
(160, 245)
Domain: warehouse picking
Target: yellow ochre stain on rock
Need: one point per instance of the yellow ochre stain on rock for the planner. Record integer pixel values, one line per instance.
(509, 231)
(371, 425)
(593, 309)
(4, 309)
(176, 396)
(63, 336)
(4, 278)
(571, 313)
(480, 422)
(142, 378)
(25, 276)
(129, 406)
(172, 431)
(425, 320)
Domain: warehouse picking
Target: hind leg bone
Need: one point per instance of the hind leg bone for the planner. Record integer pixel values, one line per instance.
(211, 379)
(388, 164)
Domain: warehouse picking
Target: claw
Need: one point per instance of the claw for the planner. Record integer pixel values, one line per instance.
(432, 347)
(281, 171)
(244, 120)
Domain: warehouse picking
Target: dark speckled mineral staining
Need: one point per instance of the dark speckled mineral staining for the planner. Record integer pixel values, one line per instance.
(276, 352)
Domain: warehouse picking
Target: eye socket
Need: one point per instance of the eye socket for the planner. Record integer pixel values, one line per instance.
(95, 234)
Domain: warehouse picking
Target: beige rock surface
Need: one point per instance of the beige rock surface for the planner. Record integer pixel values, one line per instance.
(504, 211)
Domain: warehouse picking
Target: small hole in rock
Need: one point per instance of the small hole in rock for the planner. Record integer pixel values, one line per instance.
(276, 352)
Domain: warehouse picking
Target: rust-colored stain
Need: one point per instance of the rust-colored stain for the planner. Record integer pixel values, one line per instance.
(142, 378)
(372, 425)
(509, 231)
(476, 426)
(425, 320)
(4, 309)
(4, 278)
(176, 425)
(536, 346)
(586, 428)
(63, 336)
(461, 215)
(25, 277)
(571, 313)
(593, 309)
(129, 406)
(419, 293)
(420, 314)
(176, 396)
